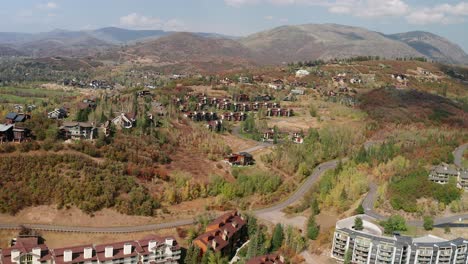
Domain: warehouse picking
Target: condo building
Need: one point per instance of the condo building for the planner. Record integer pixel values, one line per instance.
(371, 246)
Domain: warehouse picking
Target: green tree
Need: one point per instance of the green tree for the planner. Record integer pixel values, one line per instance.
(277, 238)
(217, 258)
(348, 257)
(312, 228)
(315, 206)
(428, 223)
(193, 255)
(360, 209)
(358, 224)
(394, 223)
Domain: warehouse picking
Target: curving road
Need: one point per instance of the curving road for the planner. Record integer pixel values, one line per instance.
(369, 201)
(368, 204)
(458, 155)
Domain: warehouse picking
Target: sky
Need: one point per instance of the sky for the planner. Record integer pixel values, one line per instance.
(448, 18)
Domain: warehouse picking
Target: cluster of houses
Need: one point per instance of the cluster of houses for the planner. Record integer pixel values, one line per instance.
(12, 129)
(151, 249)
(369, 245)
(269, 135)
(235, 110)
(441, 174)
(94, 84)
(225, 234)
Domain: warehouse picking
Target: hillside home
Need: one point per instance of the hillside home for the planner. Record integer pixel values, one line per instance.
(279, 112)
(125, 120)
(225, 234)
(6, 133)
(87, 104)
(243, 79)
(269, 135)
(58, 113)
(276, 85)
(78, 131)
(463, 180)
(267, 259)
(297, 138)
(21, 134)
(241, 159)
(442, 173)
(241, 98)
(298, 91)
(152, 249)
(216, 125)
(302, 73)
(12, 118)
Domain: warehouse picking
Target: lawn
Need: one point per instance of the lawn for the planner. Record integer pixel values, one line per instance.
(24, 95)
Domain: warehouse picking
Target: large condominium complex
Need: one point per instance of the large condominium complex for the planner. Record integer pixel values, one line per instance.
(151, 250)
(370, 246)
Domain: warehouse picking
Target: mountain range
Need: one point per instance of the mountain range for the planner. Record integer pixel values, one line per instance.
(275, 46)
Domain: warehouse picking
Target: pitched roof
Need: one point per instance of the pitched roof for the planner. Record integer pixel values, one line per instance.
(11, 115)
(4, 128)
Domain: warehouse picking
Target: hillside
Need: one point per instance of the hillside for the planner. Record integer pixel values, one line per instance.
(328, 41)
(6, 51)
(433, 46)
(189, 51)
(412, 106)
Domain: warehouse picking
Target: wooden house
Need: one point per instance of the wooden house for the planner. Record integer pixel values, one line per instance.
(241, 159)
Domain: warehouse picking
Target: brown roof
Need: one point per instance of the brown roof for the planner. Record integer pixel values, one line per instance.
(267, 259)
(24, 245)
(220, 231)
(77, 256)
(118, 250)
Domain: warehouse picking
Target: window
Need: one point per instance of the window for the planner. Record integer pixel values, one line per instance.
(26, 259)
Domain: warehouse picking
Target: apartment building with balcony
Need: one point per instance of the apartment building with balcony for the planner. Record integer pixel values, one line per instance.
(370, 246)
(151, 250)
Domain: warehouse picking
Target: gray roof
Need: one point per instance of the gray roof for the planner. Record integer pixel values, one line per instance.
(445, 169)
(4, 128)
(464, 174)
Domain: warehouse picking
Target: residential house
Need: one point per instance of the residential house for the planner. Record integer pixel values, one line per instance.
(241, 98)
(78, 131)
(12, 118)
(215, 125)
(58, 113)
(150, 250)
(6, 133)
(297, 138)
(463, 180)
(279, 112)
(442, 173)
(302, 73)
(125, 120)
(298, 91)
(244, 79)
(21, 134)
(276, 85)
(267, 259)
(87, 104)
(269, 135)
(225, 234)
(241, 159)
(143, 93)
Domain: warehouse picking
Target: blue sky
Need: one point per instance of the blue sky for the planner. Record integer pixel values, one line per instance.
(448, 18)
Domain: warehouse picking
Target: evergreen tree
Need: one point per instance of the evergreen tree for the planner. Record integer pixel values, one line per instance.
(252, 226)
(358, 224)
(193, 255)
(277, 238)
(312, 228)
(360, 209)
(428, 223)
(206, 257)
(217, 258)
(315, 206)
(348, 257)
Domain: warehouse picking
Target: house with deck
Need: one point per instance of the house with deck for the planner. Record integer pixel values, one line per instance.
(240, 159)
(58, 113)
(78, 131)
(225, 234)
(441, 173)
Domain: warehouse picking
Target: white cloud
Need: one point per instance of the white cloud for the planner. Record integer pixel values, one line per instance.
(48, 5)
(440, 14)
(268, 18)
(138, 21)
(443, 13)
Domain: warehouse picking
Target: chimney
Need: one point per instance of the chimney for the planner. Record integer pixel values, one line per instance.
(88, 253)
(127, 249)
(213, 243)
(152, 245)
(37, 252)
(169, 241)
(109, 252)
(15, 256)
(67, 255)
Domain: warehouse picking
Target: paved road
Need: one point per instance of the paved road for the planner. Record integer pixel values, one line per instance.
(299, 193)
(458, 155)
(369, 201)
(368, 205)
